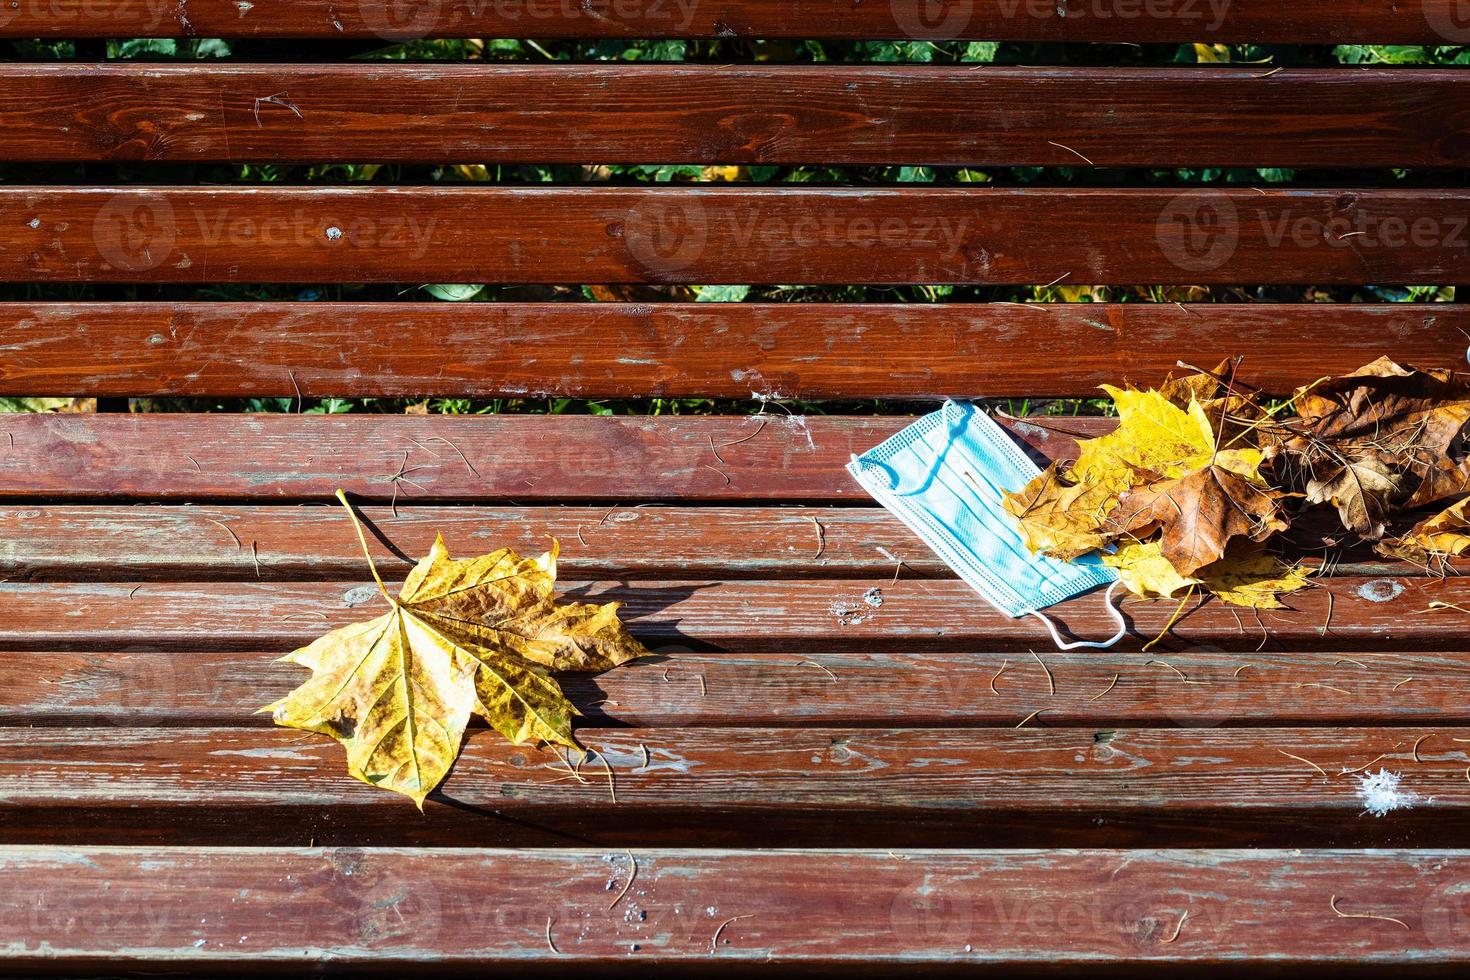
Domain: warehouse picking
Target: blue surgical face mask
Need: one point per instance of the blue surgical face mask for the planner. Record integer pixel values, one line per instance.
(945, 477)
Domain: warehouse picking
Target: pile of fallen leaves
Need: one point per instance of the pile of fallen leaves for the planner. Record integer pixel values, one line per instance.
(1207, 484)
(474, 637)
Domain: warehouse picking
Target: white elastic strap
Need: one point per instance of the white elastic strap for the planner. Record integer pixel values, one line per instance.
(1089, 644)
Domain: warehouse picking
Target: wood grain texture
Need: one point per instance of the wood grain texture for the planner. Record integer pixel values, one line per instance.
(1305, 21)
(137, 689)
(137, 909)
(746, 787)
(722, 350)
(996, 235)
(198, 542)
(1345, 614)
(511, 458)
(735, 114)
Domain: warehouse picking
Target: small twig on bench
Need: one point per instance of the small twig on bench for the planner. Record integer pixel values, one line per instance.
(611, 787)
(195, 462)
(632, 873)
(737, 442)
(1023, 721)
(715, 939)
(722, 473)
(1402, 683)
(550, 944)
(1106, 689)
(1003, 665)
(1307, 761)
(1364, 915)
(1177, 929)
(813, 663)
(821, 536)
(460, 452)
(232, 534)
(1074, 153)
(278, 99)
(300, 401)
(255, 557)
(1415, 750)
(1050, 680)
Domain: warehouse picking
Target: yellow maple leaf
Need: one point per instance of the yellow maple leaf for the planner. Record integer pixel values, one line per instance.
(1060, 520)
(1145, 571)
(1250, 576)
(478, 636)
(1157, 437)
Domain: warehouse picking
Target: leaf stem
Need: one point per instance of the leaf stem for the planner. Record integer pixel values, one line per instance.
(362, 538)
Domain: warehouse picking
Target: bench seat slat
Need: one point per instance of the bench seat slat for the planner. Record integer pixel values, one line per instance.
(755, 235)
(1274, 688)
(1345, 613)
(1304, 21)
(138, 908)
(719, 350)
(735, 114)
(197, 542)
(510, 458)
(747, 787)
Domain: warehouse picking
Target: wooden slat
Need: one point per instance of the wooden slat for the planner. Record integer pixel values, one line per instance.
(1345, 613)
(692, 349)
(746, 787)
(507, 458)
(602, 234)
(773, 114)
(691, 689)
(138, 543)
(1305, 21)
(140, 909)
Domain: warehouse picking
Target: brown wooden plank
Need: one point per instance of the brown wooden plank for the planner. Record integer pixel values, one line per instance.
(507, 458)
(707, 234)
(1305, 21)
(714, 787)
(1344, 614)
(767, 114)
(136, 689)
(139, 909)
(139, 542)
(722, 350)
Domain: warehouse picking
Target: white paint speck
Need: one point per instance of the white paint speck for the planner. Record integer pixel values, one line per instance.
(1380, 794)
(334, 233)
(1381, 590)
(34, 223)
(874, 598)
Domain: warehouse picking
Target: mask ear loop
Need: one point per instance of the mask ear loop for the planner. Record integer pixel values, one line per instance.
(1089, 644)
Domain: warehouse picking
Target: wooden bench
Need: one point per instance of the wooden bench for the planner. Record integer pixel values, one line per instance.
(792, 785)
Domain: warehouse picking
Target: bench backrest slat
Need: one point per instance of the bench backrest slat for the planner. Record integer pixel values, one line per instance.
(1215, 21)
(793, 114)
